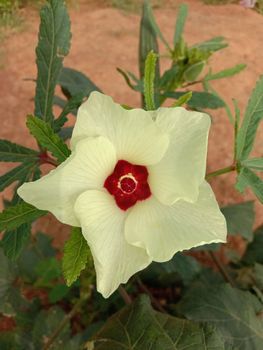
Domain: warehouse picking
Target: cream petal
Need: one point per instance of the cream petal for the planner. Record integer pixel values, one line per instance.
(87, 168)
(182, 169)
(133, 133)
(164, 230)
(102, 225)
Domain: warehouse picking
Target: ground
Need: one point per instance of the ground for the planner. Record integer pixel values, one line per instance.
(105, 38)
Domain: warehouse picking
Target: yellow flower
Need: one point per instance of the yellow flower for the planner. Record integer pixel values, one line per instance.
(135, 184)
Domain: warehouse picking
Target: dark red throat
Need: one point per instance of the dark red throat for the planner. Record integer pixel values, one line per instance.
(128, 184)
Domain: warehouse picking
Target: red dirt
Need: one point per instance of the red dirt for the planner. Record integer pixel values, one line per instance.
(104, 38)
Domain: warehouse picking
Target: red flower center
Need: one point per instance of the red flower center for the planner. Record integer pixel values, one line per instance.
(128, 184)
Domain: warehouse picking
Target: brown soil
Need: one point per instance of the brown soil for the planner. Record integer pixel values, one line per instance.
(104, 38)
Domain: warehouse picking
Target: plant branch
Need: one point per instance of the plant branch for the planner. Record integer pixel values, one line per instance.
(154, 301)
(63, 323)
(222, 269)
(220, 172)
(125, 296)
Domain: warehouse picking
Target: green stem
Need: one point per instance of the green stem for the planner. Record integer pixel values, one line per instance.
(63, 323)
(222, 171)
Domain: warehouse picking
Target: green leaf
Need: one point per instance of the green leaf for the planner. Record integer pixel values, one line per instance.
(184, 99)
(39, 249)
(233, 312)
(199, 100)
(13, 217)
(139, 327)
(180, 23)
(252, 118)
(254, 163)
(149, 75)
(168, 77)
(192, 72)
(14, 241)
(247, 178)
(7, 274)
(74, 82)
(127, 77)
(148, 40)
(226, 72)
(72, 104)
(48, 270)
(166, 274)
(11, 152)
(57, 293)
(148, 20)
(211, 45)
(45, 325)
(240, 219)
(253, 252)
(47, 138)
(75, 257)
(66, 133)
(16, 174)
(53, 46)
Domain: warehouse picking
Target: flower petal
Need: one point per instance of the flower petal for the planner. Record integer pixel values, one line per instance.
(86, 168)
(164, 230)
(136, 137)
(102, 225)
(182, 169)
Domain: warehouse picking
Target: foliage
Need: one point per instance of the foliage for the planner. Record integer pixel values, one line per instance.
(52, 299)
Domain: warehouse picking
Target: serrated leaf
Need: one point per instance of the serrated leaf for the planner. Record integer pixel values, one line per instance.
(139, 327)
(246, 178)
(192, 72)
(12, 152)
(211, 45)
(184, 99)
(199, 100)
(180, 23)
(233, 312)
(72, 104)
(14, 241)
(16, 174)
(75, 256)
(149, 76)
(74, 82)
(240, 219)
(13, 217)
(229, 72)
(253, 163)
(53, 46)
(47, 138)
(253, 252)
(253, 116)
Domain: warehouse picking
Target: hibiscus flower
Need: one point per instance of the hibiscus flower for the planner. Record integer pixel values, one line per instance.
(135, 184)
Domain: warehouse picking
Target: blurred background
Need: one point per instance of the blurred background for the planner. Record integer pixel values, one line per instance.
(105, 36)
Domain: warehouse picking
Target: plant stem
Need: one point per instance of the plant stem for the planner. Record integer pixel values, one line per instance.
(125, 296)
(63, 323)
(222, 171)
(154, 301)
(222, 269)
